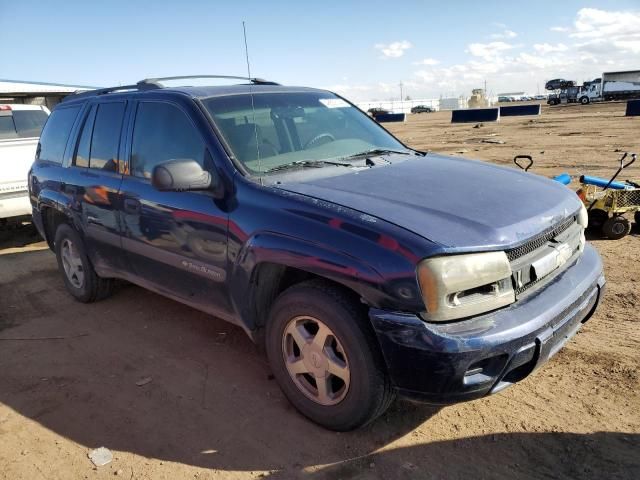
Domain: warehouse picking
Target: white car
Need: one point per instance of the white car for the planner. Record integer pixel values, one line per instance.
(20, 127)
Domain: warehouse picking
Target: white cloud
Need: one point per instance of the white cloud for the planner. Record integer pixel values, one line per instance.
(594, 23)
(488, 50)
(628, 45)
(548, 48)
(394, 49)
(600, 31)
(504, 34)
(427, 61)
(559, 29)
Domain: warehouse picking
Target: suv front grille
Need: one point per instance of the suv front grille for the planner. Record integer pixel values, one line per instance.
(540, 240)
(522, 258)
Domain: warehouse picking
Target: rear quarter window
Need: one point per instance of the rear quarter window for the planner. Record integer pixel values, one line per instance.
(56, 133)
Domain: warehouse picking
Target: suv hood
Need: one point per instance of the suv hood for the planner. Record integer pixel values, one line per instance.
(461, 204)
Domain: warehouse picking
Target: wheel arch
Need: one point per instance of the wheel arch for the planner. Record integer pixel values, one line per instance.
(271, 263)
(52, 217)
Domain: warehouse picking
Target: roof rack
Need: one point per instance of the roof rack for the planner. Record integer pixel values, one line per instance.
(155, 83)
(103, 91)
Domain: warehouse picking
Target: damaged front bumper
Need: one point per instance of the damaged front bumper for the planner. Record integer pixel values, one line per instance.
(468, 359)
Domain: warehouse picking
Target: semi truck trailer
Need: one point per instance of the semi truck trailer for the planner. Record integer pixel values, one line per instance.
(612, 86)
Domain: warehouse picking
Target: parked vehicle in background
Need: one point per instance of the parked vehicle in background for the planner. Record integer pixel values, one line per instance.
(612, 86)
(559, 83)
(422, 109)
(20, 127)
(374, 112)
(566, 95)
(505, 99)
(366, 268)
(540, 97)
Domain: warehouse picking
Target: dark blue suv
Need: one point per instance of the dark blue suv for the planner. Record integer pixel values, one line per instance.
(364, 267)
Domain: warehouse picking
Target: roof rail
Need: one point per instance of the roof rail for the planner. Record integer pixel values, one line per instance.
(157, 82)
(102, 91)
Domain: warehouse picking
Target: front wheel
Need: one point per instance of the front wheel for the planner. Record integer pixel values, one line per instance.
(326, 358)
(584, 100)
(616, 227)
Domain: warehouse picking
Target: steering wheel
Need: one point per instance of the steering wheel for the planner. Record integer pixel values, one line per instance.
(315, 140)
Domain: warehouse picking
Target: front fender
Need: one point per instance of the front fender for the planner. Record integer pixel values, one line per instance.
(305, 255)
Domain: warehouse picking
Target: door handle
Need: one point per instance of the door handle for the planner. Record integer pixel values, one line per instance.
(132, 205)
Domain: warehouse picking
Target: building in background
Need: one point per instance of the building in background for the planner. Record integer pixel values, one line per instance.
(36, 93)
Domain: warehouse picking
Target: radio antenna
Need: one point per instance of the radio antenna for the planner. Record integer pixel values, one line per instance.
(253, 107)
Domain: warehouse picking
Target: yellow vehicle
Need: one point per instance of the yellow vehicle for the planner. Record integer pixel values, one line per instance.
(607, 201)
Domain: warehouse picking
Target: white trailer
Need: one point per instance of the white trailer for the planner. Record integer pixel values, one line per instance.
(613, 86)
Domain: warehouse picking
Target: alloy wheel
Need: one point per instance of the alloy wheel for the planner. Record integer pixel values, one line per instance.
(72, 263)
(316, 360)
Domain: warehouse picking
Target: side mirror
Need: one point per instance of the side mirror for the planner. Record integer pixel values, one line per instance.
(181, 175)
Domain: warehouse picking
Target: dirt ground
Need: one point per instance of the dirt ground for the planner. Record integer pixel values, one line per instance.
(209, 408)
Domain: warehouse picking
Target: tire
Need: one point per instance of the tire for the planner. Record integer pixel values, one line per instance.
(597, 218)
(584, 100)
(636, 218)
(351, 344)
(79, 276)
(616, 227)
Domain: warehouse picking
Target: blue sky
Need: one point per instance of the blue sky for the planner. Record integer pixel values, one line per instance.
(361, 49)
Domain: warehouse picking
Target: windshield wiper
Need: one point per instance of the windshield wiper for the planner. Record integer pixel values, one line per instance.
(378, 151)
(307, 163)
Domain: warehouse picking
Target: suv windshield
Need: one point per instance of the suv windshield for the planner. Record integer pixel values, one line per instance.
(295, 128)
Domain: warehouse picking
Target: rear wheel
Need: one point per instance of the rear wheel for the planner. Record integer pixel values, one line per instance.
(326, 358)
(79, 276)
(616, 227)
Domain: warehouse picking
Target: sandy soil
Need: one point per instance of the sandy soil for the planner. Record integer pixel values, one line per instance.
(69, 372)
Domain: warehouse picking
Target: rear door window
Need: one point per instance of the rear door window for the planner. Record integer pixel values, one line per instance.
(84, 144)
(163, 132)
(106, 136)
(56, 134)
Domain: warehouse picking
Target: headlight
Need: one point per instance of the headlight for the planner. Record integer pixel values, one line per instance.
(583, 221)
(458, 286)
(583, 217)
